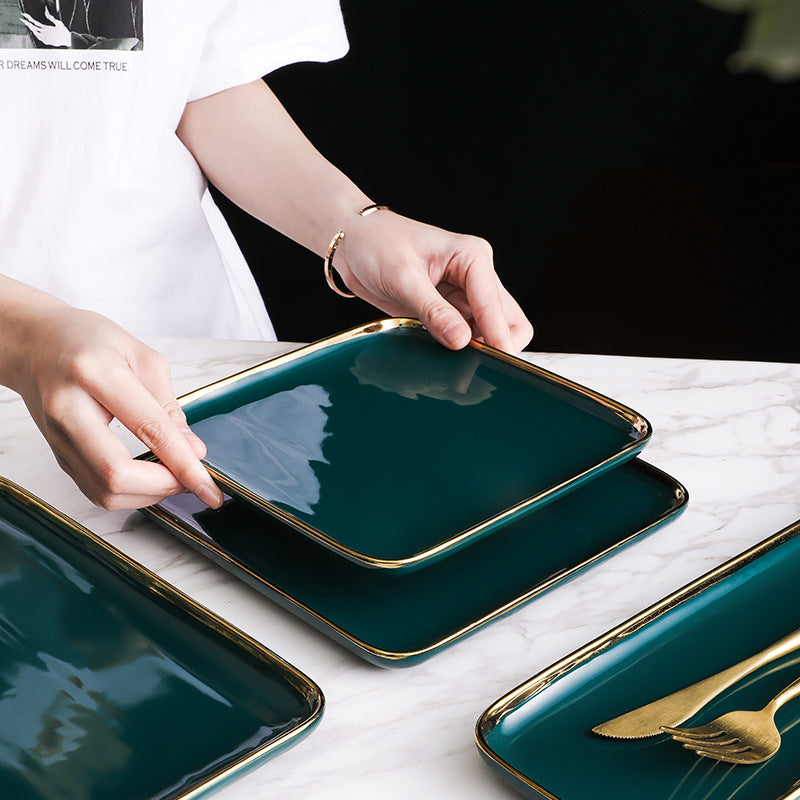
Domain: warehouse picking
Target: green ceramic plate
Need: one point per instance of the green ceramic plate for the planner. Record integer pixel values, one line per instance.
(395, 618)
(392, 450)
(540, 735)
(113, 686)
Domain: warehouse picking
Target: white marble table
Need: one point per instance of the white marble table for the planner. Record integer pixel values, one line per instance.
(729, 431)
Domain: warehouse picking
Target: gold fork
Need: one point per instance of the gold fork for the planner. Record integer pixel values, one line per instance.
(738, 737)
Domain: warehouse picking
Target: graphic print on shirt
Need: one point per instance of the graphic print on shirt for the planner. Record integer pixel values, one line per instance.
(71, 24)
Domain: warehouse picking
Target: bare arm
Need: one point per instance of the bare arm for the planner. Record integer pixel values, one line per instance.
(249, 147)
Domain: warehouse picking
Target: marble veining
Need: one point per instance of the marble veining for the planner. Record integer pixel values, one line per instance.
(729, 431)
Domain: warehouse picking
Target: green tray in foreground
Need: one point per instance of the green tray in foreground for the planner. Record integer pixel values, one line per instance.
(114, 686)
(539, 736)
(393, 451)
(397, 618)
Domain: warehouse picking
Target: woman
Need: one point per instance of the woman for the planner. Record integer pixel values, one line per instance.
(108, 230)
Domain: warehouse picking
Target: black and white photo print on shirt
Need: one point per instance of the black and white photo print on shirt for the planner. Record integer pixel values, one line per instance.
(71, 24)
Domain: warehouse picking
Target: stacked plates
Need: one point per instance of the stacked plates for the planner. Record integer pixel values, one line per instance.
(398, 495)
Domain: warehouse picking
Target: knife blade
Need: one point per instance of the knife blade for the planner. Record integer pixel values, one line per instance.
(675, 708)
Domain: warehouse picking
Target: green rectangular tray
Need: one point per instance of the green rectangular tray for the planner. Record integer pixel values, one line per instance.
(113, 685)
(393, 451)
(539, 735)
(398, 618)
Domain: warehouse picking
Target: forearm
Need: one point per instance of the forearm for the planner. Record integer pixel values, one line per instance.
(250, 148)
(252, 151)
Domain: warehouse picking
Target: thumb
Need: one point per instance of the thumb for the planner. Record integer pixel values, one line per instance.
(441, 319)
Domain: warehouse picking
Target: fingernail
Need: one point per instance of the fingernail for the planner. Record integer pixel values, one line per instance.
(508, 347)
(453, 334)
(195, 442)
(210, 497)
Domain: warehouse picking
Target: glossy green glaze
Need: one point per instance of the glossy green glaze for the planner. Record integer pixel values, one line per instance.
(751, 603)
(112, 689)
(396, 618)
(389, 447)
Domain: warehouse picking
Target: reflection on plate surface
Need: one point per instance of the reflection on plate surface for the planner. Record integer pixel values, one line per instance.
(110, 687)
(539, 731)
(283, 434)
(395, 618)
(391, 449)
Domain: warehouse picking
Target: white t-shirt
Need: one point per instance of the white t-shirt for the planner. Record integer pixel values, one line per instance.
(100, 202)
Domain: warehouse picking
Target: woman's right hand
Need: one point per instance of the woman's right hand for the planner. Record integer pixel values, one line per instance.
(76, 371)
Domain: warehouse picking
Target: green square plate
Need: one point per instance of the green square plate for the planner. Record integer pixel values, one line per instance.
(540, 735)
(393, 451)
(396, 618)
(113, 686)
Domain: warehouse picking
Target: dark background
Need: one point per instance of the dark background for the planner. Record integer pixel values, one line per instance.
(640, 196)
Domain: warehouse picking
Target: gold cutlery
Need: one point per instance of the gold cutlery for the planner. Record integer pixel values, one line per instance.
(738, 737)
(677, 707)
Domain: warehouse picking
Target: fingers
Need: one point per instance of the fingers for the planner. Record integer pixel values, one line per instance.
(96, 459)
(163, 431)
(519, 325)
(447, 280)
(76, 371)
(474, 291)
(482, 290)
(473, 287)
(520, 328)
(153, 370)
(442, 320)
(137, 390)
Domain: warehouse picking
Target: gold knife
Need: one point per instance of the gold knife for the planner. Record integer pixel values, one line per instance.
(677, 707)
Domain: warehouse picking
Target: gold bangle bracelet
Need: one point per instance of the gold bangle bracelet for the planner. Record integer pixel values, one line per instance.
(371, 208)
(327, 262)
(328, 265)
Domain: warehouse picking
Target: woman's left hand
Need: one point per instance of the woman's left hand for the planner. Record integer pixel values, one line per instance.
(446, 280)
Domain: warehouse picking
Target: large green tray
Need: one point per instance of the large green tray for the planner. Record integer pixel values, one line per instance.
(540, 734)
(113, 686)
(393, 451)
(397, 618)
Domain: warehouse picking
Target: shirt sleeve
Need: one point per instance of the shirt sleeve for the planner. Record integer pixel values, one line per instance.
(251, 38)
